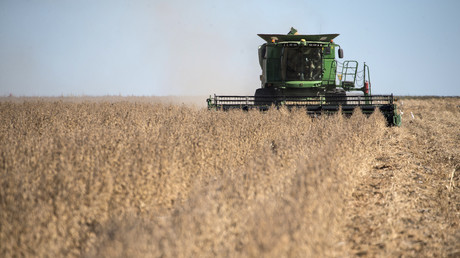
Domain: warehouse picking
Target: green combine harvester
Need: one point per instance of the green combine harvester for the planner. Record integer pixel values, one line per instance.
(301, 71)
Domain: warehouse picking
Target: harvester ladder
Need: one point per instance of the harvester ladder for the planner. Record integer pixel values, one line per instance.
(331, 77)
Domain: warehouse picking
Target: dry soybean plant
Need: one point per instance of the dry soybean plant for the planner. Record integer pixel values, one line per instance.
(140, 179)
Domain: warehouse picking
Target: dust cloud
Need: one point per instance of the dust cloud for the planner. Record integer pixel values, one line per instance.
(203, 57)
(137, 48)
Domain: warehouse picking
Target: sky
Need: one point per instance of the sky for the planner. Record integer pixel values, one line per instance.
(202, 47)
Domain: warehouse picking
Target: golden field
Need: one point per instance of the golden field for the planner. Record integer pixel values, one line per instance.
(131, 177)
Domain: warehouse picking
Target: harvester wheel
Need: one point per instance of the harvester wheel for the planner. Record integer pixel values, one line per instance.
(264, 97)
(336, 97)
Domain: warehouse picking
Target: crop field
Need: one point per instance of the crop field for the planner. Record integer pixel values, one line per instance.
(137, 177)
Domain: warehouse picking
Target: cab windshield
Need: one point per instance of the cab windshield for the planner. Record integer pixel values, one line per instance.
(302, 64)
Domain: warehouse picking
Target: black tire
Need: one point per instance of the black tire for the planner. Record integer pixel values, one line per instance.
(264, 97)
(336, 97)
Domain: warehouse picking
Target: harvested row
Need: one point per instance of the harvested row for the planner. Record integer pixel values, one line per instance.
(408, 203)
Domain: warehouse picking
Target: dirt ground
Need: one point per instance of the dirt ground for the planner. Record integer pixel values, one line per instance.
(141, 177)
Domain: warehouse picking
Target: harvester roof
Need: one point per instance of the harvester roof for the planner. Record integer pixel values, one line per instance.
(283, 37)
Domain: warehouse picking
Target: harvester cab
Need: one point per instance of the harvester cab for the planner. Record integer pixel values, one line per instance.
(295, 65)
(302, 71)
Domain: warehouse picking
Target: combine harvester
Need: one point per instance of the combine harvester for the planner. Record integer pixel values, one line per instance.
(300, 71)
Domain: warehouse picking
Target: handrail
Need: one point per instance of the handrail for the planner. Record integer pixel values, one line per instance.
(366, 71)
(347, 67)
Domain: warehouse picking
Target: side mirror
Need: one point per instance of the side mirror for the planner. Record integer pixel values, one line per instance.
(340, 53)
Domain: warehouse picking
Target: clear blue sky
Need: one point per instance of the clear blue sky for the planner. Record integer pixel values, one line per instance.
(140, 47)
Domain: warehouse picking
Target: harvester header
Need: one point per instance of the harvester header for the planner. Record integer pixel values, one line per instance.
(302, 71)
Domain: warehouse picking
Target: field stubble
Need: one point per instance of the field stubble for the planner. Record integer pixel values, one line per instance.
(139, 179)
